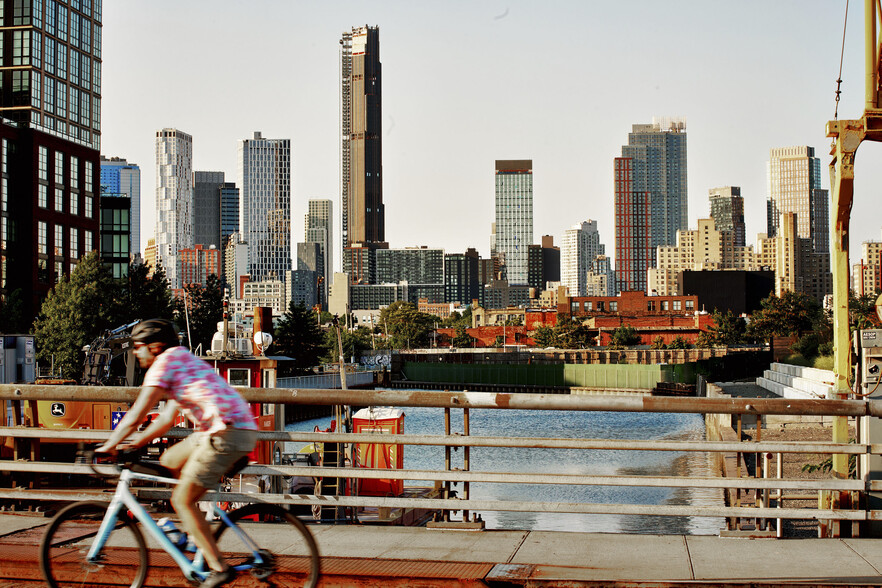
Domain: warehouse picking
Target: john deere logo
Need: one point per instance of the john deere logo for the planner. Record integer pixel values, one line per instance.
(57, 409)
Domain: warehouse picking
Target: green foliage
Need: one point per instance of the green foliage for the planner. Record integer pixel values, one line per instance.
(544, 336)
(826, 349)
(355, 343)
(705, 340)
(679, 343)
(456, 319)
(462, 337)
(145, 298)
(515, 321)
(862, 311)
(500, 341)
(823, 362)
(76, 311)
(624, 336)
(807, 346)
(728, 329)
(658, 343)
(405, 326)
(12, 317)
(797, 359)
(297, 335)
(827, 465)
(203, 306)
(789, 314)
(571, 334)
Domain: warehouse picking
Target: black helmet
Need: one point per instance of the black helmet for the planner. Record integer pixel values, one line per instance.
(156, 331)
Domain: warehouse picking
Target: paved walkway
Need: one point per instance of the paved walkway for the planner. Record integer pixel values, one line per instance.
(401, 556)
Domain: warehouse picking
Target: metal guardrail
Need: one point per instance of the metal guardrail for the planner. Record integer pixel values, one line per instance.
(466, 401)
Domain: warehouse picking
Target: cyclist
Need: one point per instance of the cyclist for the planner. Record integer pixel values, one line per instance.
(225, 429)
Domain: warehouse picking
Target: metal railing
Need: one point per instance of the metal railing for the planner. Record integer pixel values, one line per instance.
(447, 504)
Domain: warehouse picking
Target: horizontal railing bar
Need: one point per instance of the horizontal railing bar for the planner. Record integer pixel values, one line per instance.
(472, 505)
(501, 477)
(479, 441)
(493, 400)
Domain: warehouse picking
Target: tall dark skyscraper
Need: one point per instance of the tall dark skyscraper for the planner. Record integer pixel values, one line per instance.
(50, 135)
(727, 210)
(650, 197)
(361, 154)
(206, 208)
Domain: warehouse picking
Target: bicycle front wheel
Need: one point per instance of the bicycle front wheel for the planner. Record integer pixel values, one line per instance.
(66, 543)
(294, 555)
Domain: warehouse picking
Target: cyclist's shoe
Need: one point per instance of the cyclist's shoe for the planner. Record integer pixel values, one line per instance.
(215, 579)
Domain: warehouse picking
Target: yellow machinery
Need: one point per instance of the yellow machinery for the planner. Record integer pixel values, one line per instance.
(847, 136)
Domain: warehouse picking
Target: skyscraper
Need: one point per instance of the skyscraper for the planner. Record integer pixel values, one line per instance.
(265, 205)
(229, 211)
(461, 279)
(650, 197)
(207, 208)
(320, 229)
(174, 199)
(361, 152)
(514, 216)
(727, 210)
(121, 177)
(581, 246)
(50, 135)
(795, 186)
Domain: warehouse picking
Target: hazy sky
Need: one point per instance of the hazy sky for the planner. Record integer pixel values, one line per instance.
(466, 83)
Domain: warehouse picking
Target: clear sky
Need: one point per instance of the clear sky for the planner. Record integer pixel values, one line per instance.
(466, 83)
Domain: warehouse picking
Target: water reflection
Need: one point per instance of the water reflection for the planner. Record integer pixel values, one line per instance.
(564, 424)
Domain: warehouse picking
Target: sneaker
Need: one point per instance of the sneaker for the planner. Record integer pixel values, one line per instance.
(215, 579)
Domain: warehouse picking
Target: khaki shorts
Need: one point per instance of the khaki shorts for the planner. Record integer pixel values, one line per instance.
(211, 456)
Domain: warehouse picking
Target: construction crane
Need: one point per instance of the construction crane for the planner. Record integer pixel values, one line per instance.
(847, 136)
(101, 353)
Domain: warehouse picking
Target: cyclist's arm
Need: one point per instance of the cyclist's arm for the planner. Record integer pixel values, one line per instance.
(147, 399)
(162, 423)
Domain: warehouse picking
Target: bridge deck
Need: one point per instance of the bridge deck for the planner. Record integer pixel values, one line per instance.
(408, 556)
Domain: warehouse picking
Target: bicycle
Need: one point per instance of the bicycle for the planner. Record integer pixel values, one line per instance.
(88, 542)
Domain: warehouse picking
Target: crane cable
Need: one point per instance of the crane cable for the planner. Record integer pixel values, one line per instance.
(841, 58)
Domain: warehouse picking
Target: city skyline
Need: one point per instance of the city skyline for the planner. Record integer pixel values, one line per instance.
(570, 126)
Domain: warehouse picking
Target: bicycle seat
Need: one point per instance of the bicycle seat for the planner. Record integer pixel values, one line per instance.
(237, 467)
(153, 468)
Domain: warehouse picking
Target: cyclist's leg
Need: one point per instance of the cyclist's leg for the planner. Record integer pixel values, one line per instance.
(176, 456)
(184, 499)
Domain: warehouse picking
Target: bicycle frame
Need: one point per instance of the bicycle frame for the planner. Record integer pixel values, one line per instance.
(122, 497)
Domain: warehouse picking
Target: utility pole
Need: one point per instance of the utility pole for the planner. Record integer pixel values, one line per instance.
(847, 136)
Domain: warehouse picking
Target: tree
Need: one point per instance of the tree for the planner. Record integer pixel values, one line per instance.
(462, 337)
(624, 336)
(679, 343)
(790, 314)
(297, 335)
(571, 334)
(862, 311)
(146, 298)
(12, 317)
(658, 343)
(405, 326)
(355, 343)
(727, 329)
(77, 310)
(544, 336)
(199, 311)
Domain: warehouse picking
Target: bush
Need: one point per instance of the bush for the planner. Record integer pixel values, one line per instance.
(824, 362)
(826, 349)
(807, 346)
(658, 343)
(797, 359)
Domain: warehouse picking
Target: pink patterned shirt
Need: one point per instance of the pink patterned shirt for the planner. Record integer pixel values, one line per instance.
(206, 399)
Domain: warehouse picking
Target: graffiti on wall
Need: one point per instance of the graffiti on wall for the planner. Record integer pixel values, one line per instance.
(377, 361)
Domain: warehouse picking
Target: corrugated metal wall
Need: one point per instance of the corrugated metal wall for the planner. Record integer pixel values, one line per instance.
(580, 375)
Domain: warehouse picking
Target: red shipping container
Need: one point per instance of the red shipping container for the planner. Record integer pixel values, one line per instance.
(379, 455)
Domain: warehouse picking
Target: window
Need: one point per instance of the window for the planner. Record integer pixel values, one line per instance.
(690, 304)
(87, 172)
(74, 202)
(74, 172)
(650, 306)
(574, 307)
(239, 377)
(87, 236)
(59, 241)
(42, 195)
(59, 167)
(59, 271)
(589, 306)
(664, 305)
(613, 305)
(74, 243)
(42, 245)
(676, 305)
(600, 306)
(59, 200)
(87, 208)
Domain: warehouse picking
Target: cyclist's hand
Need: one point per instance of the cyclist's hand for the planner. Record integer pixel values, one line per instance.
(128, 448)
(105, 450)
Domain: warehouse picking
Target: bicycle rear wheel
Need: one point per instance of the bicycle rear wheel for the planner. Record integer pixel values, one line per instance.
(297, 572)
(66, 543)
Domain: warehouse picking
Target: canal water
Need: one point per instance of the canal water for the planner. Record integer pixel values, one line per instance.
(566, 424)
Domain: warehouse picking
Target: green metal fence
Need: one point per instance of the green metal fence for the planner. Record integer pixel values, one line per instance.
(573, 375)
